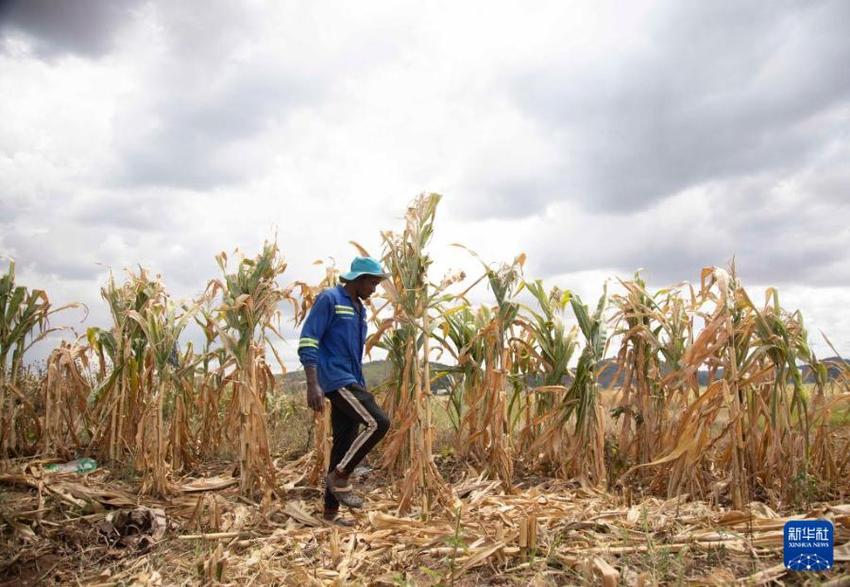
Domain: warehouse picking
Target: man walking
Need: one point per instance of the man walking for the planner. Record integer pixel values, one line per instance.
(331, 351)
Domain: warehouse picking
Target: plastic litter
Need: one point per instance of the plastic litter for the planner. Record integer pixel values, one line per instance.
(83, 465)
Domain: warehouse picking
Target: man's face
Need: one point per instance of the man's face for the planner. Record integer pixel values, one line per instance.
(367, 285)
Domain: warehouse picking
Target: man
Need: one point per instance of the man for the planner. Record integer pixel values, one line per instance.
(331, 350)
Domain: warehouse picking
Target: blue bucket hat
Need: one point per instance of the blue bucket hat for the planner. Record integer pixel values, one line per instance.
(364, 266)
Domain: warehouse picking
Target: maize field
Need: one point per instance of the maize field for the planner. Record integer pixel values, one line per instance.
(647, 437)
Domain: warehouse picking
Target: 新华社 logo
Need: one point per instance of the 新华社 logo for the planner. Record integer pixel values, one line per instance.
(808, 545)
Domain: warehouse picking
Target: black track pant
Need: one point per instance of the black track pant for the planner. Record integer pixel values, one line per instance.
(352, 406)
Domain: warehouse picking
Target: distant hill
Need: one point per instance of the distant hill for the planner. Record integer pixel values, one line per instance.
(609, 371)
(833, 369)
(376, 372)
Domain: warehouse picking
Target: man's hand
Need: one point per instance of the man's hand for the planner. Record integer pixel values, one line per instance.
(315, 397)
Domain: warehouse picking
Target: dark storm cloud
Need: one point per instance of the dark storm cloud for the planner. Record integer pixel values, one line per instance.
(723, 89)
(799, 239)
(84, 27)
(207, 102)
(739, 107)
(674, 261)
(775, 235)
(196, 138)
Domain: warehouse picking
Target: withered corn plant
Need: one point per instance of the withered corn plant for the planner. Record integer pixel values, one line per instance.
(408, 448)
(144, 391)
(549, 347)
(65, 390)
(24, 321)
(831, 458)
(124, 390)
(246, 315)
(182, 405)
(161, 322)
(210, 386)
(654, 330)
(789, 422)
(458, 335)
(687, 446)
(485, 423)
(575, 428)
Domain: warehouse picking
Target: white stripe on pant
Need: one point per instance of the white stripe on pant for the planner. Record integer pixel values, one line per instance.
(371, 427)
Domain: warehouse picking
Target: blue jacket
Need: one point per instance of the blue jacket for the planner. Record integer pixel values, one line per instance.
(333, 338)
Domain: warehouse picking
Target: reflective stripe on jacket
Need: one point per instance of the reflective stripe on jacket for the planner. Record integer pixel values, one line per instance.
(333, 338)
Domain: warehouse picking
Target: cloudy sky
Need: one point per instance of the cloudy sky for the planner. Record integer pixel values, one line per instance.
(599, 138)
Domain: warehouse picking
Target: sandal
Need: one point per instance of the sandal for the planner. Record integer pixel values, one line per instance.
(333, 517)
(342, 490)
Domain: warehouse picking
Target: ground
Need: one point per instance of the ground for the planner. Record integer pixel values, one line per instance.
(63, 529)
